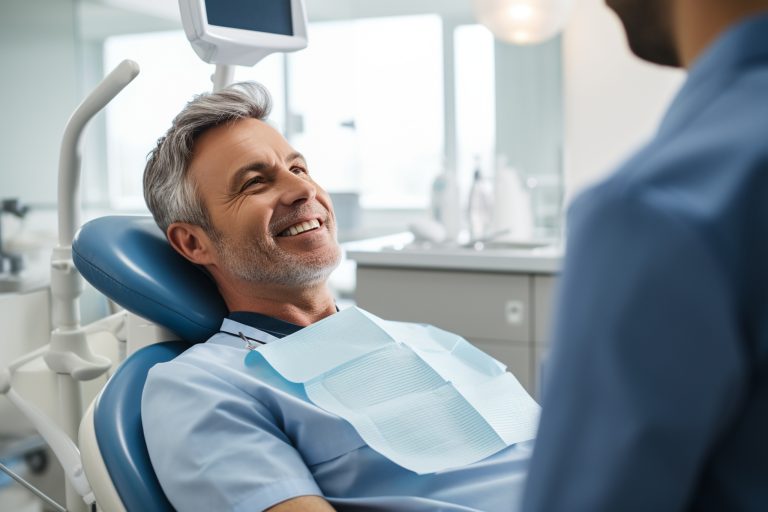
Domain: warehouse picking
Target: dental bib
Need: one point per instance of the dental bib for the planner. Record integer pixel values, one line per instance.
(424, 398)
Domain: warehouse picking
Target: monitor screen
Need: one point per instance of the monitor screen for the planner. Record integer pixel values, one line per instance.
(271, 16)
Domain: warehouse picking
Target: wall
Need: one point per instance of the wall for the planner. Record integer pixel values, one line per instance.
(529, 129)
(38, 92)
(612, 100)
(529, 124)
(53, 46)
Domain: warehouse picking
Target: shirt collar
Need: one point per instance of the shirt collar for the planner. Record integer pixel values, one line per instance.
(740, 46)
(273, 326)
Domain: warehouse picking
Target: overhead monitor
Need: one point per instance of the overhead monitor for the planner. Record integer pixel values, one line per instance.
(242, 32)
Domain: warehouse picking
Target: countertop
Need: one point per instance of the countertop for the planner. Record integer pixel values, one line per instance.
(399, 251)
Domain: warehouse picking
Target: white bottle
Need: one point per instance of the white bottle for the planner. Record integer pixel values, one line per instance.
(445, 204)
(512, 205)
(480, 205)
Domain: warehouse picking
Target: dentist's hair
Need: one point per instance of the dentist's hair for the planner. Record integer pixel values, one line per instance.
(168, 191)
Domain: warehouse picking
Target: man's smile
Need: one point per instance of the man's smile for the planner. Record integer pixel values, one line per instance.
(301, 227)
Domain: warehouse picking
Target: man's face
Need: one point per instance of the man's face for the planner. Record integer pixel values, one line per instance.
(273, 223)
(649, 28)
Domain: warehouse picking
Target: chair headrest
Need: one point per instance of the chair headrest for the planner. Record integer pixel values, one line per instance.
(128, 259)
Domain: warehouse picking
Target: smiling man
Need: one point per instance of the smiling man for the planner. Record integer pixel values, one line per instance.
(246, 209)
(233, 196)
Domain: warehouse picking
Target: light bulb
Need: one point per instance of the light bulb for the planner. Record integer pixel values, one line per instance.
(521, 13)
(523, 21)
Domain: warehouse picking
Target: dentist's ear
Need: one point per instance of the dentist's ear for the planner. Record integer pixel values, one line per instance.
(192, 242)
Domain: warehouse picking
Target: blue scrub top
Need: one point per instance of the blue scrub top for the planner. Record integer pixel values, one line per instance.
(225, 436)
(656, 392)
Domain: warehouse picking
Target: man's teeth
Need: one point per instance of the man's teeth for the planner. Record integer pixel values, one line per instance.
(301, 227)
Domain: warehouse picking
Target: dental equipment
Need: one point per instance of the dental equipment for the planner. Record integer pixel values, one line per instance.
(9, 279)
(242, 32)
(222, 33)
(69, 355)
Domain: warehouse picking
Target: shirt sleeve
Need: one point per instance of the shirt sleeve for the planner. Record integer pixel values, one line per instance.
(214, 447)
(646, 369)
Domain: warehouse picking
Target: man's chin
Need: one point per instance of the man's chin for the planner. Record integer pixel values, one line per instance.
(289, 265)
(310, 268)
(306, 277)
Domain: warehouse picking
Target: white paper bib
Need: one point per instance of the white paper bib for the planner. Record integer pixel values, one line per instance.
(424, 398)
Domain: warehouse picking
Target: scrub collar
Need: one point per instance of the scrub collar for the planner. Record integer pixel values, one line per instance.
(274, 326)
(742, 45)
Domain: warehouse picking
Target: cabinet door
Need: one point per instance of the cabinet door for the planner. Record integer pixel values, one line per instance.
(540, 357)
(543, 308)
(517, 357)
(473, 304)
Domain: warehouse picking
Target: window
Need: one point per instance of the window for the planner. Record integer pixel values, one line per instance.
(366, 109)
(378, 105)
(475, 102)
(370, 107)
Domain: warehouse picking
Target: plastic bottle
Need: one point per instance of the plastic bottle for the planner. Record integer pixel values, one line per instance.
(436, 199)
(480, 205)
(445, 201)
(512, 205)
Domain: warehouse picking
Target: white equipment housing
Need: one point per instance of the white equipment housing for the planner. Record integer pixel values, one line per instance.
(242, 32)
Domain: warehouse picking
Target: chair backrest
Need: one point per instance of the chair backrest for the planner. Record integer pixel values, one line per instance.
(122, 478)
(128, 259)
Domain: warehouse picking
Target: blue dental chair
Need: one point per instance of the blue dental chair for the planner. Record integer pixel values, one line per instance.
(128, 259)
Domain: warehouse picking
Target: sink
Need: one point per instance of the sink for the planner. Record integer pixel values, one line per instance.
(514, 244)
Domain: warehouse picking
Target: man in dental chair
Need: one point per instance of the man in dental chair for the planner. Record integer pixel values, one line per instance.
(227, 433)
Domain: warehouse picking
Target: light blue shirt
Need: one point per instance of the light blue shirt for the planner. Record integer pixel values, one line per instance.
(223, 436)
(656, 394)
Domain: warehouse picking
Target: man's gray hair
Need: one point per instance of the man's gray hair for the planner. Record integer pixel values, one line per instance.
(170, 195)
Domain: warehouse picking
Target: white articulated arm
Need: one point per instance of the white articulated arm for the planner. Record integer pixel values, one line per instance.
(69, 157)
(63, 447)
(69, 355)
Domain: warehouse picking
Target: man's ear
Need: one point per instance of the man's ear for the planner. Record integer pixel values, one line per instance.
(192, 242)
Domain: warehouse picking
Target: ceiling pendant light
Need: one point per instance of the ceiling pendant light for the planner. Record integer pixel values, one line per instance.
(523, 21)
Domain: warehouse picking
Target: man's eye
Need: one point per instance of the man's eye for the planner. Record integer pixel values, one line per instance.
(258, 180)
(299, 170)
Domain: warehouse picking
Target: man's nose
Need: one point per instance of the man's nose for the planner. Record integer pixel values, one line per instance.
(296, 188)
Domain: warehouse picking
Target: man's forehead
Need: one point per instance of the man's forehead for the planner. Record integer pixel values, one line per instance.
(251, 132)
(229, 146)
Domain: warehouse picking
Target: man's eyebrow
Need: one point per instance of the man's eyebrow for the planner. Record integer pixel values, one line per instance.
(295, 156)
(242, 172)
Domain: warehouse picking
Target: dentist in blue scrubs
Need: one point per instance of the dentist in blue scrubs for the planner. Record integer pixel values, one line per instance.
(656, 396)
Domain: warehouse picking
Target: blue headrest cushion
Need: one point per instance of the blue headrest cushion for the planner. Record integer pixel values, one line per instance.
(128, 259)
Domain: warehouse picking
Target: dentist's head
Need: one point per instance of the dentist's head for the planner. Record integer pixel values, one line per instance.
(231, 194)
(676, 32)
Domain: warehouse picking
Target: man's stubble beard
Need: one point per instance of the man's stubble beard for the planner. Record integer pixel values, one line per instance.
(259, 261)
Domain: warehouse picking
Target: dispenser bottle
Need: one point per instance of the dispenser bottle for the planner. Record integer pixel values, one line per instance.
(480, 206)
(512, 212)
(445, 201)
